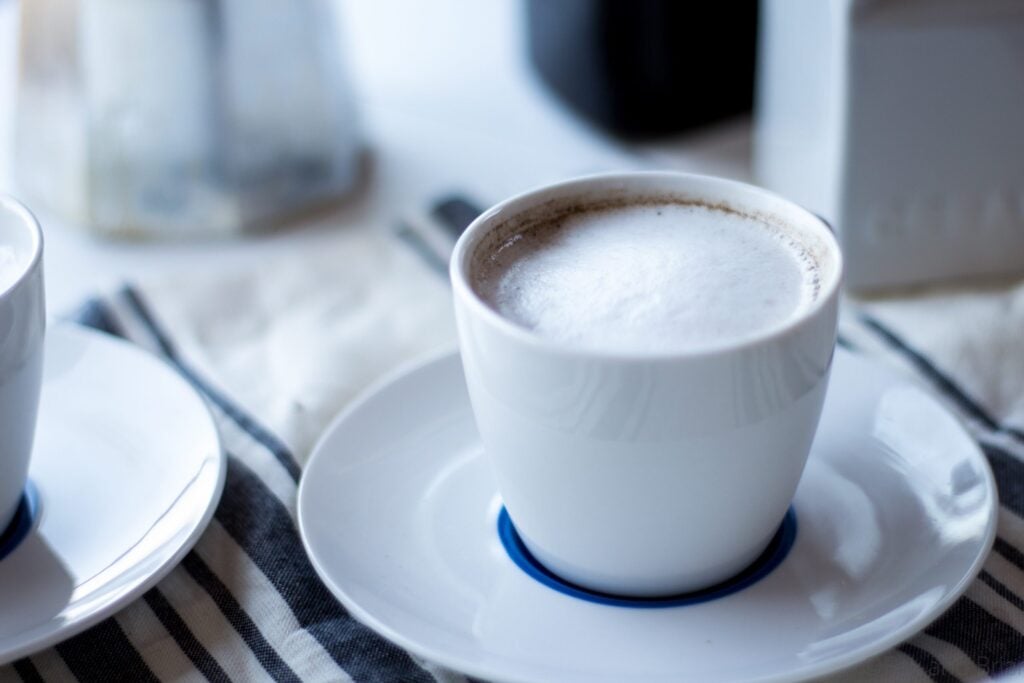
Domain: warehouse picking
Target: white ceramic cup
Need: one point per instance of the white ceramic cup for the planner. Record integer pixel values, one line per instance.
(647, 473)
(22, 327)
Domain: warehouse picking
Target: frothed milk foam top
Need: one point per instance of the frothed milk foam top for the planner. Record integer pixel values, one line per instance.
(646, 276)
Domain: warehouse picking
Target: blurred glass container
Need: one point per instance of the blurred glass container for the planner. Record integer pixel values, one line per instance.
(183, 118)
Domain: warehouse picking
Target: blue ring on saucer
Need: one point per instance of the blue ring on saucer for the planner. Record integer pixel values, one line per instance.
(764, 565)
(21, 525)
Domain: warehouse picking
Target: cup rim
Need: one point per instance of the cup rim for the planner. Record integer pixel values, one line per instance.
(459, 264)
(25, 216)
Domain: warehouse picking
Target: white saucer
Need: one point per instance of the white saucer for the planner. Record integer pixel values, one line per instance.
(895, 515)
(128, 468)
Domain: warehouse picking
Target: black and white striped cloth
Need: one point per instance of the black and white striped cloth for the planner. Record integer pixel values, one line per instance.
(245, 604)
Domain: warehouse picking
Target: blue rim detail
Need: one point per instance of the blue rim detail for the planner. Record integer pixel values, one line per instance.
(764, 565)
(21, 525)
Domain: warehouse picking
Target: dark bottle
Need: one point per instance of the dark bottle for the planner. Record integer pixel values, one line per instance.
(642, 68)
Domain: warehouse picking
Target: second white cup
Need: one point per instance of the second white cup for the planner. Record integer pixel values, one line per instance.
(22, 327)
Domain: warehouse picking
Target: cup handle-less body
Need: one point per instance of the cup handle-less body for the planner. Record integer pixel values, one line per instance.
(616, 473)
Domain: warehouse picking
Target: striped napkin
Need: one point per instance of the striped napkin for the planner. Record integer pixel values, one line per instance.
(277, 353)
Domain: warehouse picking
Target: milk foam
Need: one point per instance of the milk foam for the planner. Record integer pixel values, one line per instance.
(649, 277)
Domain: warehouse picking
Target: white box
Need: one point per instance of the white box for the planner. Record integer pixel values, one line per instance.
(902, 123)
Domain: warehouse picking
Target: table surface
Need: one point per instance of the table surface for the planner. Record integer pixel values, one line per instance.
(448, 103)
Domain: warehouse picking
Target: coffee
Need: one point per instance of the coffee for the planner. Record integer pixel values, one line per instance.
(642, 350)
(647, 275)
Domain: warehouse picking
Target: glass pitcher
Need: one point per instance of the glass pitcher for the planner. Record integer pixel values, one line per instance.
(182, 118)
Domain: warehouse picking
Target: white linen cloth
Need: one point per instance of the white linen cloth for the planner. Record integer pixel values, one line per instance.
(295, 342)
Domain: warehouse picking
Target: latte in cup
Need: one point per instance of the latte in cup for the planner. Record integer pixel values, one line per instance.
(646, 356)
(657, 274)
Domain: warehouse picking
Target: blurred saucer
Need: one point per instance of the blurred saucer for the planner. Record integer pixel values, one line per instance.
(126, 472)
(399, 512)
